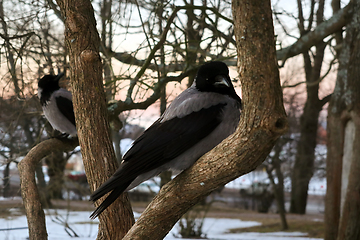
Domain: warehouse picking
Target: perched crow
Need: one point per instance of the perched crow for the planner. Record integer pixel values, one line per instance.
(57, 104)
(194, 123)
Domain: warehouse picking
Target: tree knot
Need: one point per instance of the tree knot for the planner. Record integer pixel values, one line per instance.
(281, 125)
(89, 56)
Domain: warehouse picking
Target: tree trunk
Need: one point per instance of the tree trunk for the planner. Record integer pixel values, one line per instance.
(263, 121)
(342, 220)
(279, 197)
(278, 187)
(304, 161)
(6, 180)
(335, 133)
(82, 40)
(56, 168)
(335, 150)
(335, 144)
(350, 217)
(41, 185)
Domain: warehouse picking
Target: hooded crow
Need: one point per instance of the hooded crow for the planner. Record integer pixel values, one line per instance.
(194, 123)
(57, 104)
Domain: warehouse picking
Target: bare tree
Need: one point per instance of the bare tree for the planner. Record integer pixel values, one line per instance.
(304, 162)
(273, 164)
(342, 217)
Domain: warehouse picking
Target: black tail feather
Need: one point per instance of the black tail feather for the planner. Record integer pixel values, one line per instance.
(109, 185)
(101, 191)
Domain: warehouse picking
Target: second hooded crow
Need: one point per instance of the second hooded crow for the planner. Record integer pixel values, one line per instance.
(194, 123)
(57, 104)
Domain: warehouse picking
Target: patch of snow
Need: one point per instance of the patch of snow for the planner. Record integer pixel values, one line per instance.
(9, 198)
(86, 229)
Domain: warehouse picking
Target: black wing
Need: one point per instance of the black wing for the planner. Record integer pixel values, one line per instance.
(66, 108)
(159, 144)
(164, 141)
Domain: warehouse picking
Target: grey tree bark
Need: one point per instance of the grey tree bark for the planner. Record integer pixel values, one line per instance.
(342, 220)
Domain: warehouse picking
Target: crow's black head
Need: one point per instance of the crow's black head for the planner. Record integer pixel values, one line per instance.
(47, 85)
(50, 82)
(214, 77)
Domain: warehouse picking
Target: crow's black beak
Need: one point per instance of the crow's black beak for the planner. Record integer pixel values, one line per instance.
(59, 76)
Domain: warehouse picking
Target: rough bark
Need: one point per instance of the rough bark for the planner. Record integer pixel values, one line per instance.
(350, 212)
(82, 40)
(263, 121)
(34, 211)
(342, 222)
(335, 133)
(335, 143)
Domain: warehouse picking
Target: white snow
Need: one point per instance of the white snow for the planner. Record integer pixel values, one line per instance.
(79, 222)
(12, 198)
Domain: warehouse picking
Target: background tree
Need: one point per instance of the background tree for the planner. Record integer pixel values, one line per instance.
(20, 124)
(20, 128)
(27, 48)
(274, 171)
(342, 217)
(313, 61)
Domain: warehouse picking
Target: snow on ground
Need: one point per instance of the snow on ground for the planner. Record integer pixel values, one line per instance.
(79, 222)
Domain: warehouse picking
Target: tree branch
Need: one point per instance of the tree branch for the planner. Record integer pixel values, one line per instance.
(54, 7)
(310, 84)
(334, 24)
(161, 42)
(29, 192)
(325, 100)
(120, 106)
(7, 38)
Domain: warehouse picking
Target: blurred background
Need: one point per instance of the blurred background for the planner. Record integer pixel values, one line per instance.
(292, 178)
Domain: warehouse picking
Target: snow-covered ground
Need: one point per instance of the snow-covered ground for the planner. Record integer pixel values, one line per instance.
(85, 229)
